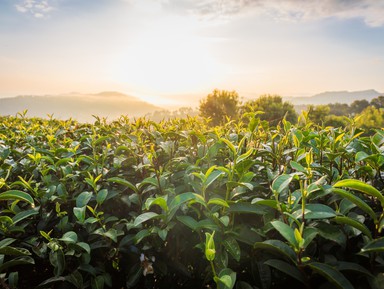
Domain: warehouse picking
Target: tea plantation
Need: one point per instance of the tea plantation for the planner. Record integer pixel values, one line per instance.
(181, 204)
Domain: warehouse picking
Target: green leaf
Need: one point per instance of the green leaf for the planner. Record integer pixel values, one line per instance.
(80, 213)
(218, 201)
(123, 182)
(100, 140)
(5, 221)
(141, 235)
(232, 247)
(76, 279)
(6, 242)
(361, 156)
(24, 260)
(315, 211)
(101, 196)
(69, 237)
(269, 203)
(279, 247)
(16, 195)
(332, 233)
(286, 231)
(244, 156)
(376, 245)
(227, 278)
(163, 234)
(97, 282)
(331, 274)
(24, 215)
(211, 177)
(356, 268)
(51, 281)
(353, 223)
(362, 187)
(281, 183)
(245, 207)
(207, 224)
(160, 201)
(144, 217)
(8, 250)
(210, 251)
(286, 268)
(229, 145)
(149, 181)
(46, 235)
(13, 279)
(182, 198)
(84, 246)
(57, 260)
(224, 220)
(83, 199)
(188, 221)
(357, 201)
(309, 234)
(298, 167)
(111, 234)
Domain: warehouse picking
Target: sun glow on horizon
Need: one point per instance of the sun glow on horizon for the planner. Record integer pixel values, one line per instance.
(175, 52)
(170, 65)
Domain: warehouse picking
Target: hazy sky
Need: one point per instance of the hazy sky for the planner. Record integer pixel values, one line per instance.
(179, 50)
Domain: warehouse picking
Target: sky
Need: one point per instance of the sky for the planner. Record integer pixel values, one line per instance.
(175, 52)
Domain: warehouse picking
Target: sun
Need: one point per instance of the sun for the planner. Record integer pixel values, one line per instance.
(167, 63)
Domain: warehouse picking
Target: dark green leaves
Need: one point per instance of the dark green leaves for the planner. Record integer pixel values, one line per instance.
(362, 187)
(316, 211)
(334, 276)
(286, 231)
(281, 183)
(16, 195)
(144, 217)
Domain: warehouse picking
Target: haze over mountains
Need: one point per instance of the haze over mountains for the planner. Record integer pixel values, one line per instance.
(81, 107)
(334, 96)
(112, 104)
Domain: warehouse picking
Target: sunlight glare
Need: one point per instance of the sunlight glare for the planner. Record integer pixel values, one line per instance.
(169, 62)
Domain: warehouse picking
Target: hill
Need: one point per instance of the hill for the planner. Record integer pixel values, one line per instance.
(334, 96)
(108, 104)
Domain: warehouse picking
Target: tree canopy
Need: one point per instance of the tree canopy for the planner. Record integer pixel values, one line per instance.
(273, 108)
(220, 105)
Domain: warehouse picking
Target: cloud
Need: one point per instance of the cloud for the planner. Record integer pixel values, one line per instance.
(370, 11)
(36, 8)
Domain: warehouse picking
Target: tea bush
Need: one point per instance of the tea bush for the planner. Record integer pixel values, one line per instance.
(179, 204)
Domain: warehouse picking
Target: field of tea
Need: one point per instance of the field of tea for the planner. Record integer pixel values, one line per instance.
(181, 204)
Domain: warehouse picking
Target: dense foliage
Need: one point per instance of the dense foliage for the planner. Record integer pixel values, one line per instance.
(179, 204)
(220, 106)
(273, 109)
(334, 114)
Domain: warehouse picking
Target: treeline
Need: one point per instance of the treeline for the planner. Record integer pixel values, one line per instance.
(221, 106)
(367, 114)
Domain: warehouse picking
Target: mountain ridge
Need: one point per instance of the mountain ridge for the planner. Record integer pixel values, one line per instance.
(82, 107)
(327, 97)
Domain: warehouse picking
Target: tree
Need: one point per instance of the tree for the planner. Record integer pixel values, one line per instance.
(318, 113)
(339, 108)
(372, 117)
(359, 105)
(378, 102)
(220, 105)
(273, 107)
(336, 121)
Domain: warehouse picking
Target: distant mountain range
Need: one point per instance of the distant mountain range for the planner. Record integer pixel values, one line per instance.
(334, 96)
(81, 107)
(111, 104)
